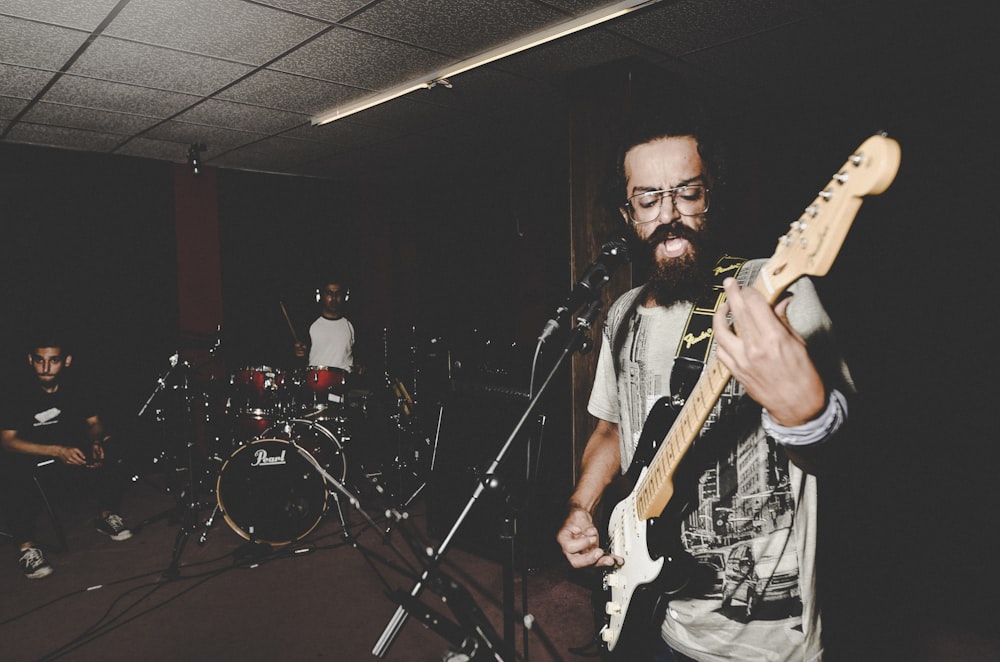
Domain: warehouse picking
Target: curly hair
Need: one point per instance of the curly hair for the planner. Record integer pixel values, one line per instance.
(683, 115)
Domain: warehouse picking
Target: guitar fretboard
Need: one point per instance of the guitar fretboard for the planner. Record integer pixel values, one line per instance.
(656, 487)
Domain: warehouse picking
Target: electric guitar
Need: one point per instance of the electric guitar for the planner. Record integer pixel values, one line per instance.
(635, 589)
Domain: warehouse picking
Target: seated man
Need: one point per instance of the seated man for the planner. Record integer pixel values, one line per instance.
(54, 416)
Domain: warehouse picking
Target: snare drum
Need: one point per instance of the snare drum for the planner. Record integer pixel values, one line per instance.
(270, 491)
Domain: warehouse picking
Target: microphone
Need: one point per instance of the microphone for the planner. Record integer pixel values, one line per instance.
(614, 252)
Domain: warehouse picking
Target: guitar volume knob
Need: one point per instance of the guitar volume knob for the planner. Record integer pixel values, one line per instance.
(608, 635)
(612, 608)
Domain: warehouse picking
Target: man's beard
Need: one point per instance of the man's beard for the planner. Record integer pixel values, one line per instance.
(682, 278)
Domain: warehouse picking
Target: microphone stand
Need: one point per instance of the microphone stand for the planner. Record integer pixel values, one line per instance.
(577, 341)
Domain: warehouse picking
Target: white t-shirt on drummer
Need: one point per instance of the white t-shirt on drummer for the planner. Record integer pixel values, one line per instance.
(332, 343)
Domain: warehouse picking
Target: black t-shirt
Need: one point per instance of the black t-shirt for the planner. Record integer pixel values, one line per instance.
(50, 418)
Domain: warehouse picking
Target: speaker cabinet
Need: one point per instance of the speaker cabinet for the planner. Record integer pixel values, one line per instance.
(474, 427)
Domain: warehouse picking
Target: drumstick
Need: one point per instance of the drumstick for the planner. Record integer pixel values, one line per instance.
(287, 319)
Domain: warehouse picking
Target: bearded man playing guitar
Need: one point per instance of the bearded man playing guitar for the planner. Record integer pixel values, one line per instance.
(719, 562)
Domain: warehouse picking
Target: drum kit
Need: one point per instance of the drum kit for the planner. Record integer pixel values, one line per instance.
(275, 450)
(281, 424)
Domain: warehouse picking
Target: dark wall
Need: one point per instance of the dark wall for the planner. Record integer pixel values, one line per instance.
(475, 258)
(88, 246)
(911, 504)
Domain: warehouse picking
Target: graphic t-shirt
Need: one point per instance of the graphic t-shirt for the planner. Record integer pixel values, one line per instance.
(50, 418)
(751, 514)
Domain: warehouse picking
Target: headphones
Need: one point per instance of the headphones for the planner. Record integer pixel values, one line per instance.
(346, 291)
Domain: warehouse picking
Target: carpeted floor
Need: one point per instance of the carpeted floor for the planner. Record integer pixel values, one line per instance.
(181, 590)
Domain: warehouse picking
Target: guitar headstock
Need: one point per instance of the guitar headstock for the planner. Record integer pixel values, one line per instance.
(813, 241)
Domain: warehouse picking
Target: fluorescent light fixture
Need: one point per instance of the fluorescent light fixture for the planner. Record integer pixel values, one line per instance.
(441, 75)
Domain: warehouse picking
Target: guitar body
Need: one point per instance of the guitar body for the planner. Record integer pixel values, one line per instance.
(658, 566)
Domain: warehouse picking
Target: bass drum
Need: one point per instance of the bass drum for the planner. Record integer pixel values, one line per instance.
(271, 492)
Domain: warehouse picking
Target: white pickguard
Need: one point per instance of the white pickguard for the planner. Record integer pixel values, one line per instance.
(627, 540)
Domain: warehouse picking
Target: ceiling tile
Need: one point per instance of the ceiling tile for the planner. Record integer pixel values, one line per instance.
(149, 148)
(101, 121)
(230, 29)
(9, 106)
(573, 53)
(360, 60)
(485, 89)
(457, 27)
(273, 89)
(160, 68)
(22, 81)
(80, 14)
(219, 140)
(91, 93)
(37, 45)
(327, 10)
(242, 117)
(38, 134)
(406, 114)
(343, 134)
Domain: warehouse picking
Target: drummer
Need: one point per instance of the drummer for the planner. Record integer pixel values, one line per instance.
(331, 336)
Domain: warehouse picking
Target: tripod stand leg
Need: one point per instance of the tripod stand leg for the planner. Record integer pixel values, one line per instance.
(173, 570)
(340, 513)
(208, 525)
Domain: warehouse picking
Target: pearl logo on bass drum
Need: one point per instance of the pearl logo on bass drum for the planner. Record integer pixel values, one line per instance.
(262, 459)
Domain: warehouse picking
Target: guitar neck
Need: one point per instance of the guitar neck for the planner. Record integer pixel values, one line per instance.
(656, 486)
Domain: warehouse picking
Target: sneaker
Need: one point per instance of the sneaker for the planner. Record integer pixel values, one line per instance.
(114, 527)
(33, 564)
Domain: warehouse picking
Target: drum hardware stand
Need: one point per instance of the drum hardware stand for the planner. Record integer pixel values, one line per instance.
(188, 504)
(209, 523)
(577, 341)
(161, 384)
(430, 467)
(189, 521)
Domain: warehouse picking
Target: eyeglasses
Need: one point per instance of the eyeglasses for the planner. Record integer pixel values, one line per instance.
(688, 200)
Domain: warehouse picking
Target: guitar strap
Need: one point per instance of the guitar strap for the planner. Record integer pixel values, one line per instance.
(696, 340)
